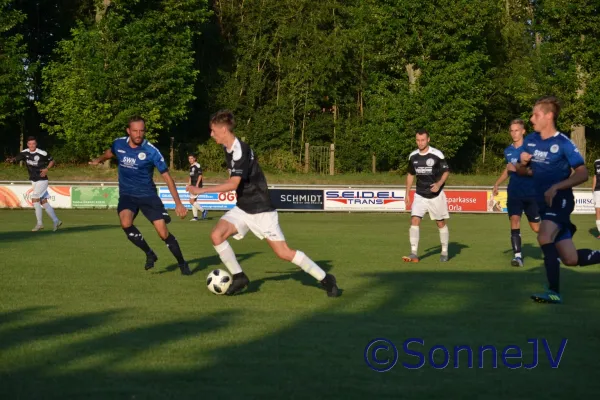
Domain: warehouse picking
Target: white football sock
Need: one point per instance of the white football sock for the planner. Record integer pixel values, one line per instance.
(198, 207)
(308, 266)
(194, 211)
(598, 224)
(50, 212)
(444, 238)
(38, 212)
(228, 257)
(413, 233)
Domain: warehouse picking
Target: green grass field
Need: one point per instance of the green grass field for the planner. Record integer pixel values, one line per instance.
(80, 318)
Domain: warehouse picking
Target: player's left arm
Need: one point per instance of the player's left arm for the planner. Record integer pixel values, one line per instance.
(443, 167)
(199, 180)
(231, 184)
(577, 177)
(51, 164)
(159, 163)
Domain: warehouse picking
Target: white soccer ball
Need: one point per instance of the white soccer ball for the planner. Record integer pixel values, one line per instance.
(218, 281)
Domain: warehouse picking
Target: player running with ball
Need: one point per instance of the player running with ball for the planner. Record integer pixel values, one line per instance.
(253, 211)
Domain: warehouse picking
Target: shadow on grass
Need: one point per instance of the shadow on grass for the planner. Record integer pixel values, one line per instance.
(318, 349)
(529, 251)
(47, 232)
(454, 249)
(294, 273)
(205, 263)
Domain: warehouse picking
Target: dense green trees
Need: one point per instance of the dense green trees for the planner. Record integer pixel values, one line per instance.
(363, 74)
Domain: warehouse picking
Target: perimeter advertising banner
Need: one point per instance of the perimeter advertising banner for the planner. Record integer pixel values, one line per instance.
(19, 196)
(584, 203)
(94, 196)
(365, 200)
(293, 199)
(209, 201)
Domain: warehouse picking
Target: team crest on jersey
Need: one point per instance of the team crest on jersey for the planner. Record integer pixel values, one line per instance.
(513, 160)
(554, 148)
(36, 158)
(142, 156)
(430, 162)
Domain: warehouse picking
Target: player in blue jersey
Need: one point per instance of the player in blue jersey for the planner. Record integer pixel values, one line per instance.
(137, 191)
(520, 192)
(556, 166)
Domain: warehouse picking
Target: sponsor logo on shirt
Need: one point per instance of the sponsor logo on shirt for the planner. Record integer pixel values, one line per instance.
(424, 170)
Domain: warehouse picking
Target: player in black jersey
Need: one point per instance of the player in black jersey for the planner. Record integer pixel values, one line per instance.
(596, 189)
(195, 179)
(253, 211)
(38, 163)
(431, 169)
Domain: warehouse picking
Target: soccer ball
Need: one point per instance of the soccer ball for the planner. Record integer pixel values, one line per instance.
(218, 281)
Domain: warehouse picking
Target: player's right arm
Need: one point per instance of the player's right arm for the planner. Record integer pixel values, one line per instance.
(17, 158)
(501, 179)
(410, 177)
(108, 154)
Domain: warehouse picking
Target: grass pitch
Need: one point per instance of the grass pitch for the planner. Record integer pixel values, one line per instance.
(80, 318)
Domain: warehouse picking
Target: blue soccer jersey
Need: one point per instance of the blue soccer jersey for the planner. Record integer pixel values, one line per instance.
(519, 186)
(552, 159)
(136, 167)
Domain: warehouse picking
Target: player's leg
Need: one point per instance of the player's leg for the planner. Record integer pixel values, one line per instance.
(127, 210)
(532, 212)
(514, 207)
(198, 207)
(41, 192)
(418, 210)
(546, 238)
(154, 210)
(50, 211)
(35, 200)
(194, 209)
(438, 211)
(231, 224)
(266, 225)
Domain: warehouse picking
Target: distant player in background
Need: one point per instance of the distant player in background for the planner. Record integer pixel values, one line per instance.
(195, 179)
(520, 192)
(556, 166)
(137, 191)
(253, 211)
(596, 188)
(431, 169)
(38, 163)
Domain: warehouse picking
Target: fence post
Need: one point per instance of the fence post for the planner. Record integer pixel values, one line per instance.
(306, 157)
(171, 155)
(374, 164)
(331, 159)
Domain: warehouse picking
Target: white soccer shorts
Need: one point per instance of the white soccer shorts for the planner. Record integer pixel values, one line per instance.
(40, 190)
(264, 225)
(597, 199)
(436, 207)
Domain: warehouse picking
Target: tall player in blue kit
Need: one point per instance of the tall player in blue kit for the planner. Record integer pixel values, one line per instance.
(137, 191)
(556, 166)
(520, 192)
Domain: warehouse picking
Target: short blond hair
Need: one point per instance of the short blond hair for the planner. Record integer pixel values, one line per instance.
(549, 104)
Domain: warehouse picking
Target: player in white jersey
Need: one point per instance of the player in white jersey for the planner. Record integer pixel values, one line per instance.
(195, 179)
(431, 169)
(38, 163)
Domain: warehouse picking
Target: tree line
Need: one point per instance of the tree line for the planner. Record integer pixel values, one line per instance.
(362, 74)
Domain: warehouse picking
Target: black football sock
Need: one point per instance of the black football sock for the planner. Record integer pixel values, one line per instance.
(515, 240)
(173, 245)
(552, 266)
(588, 257)
(135, 237)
